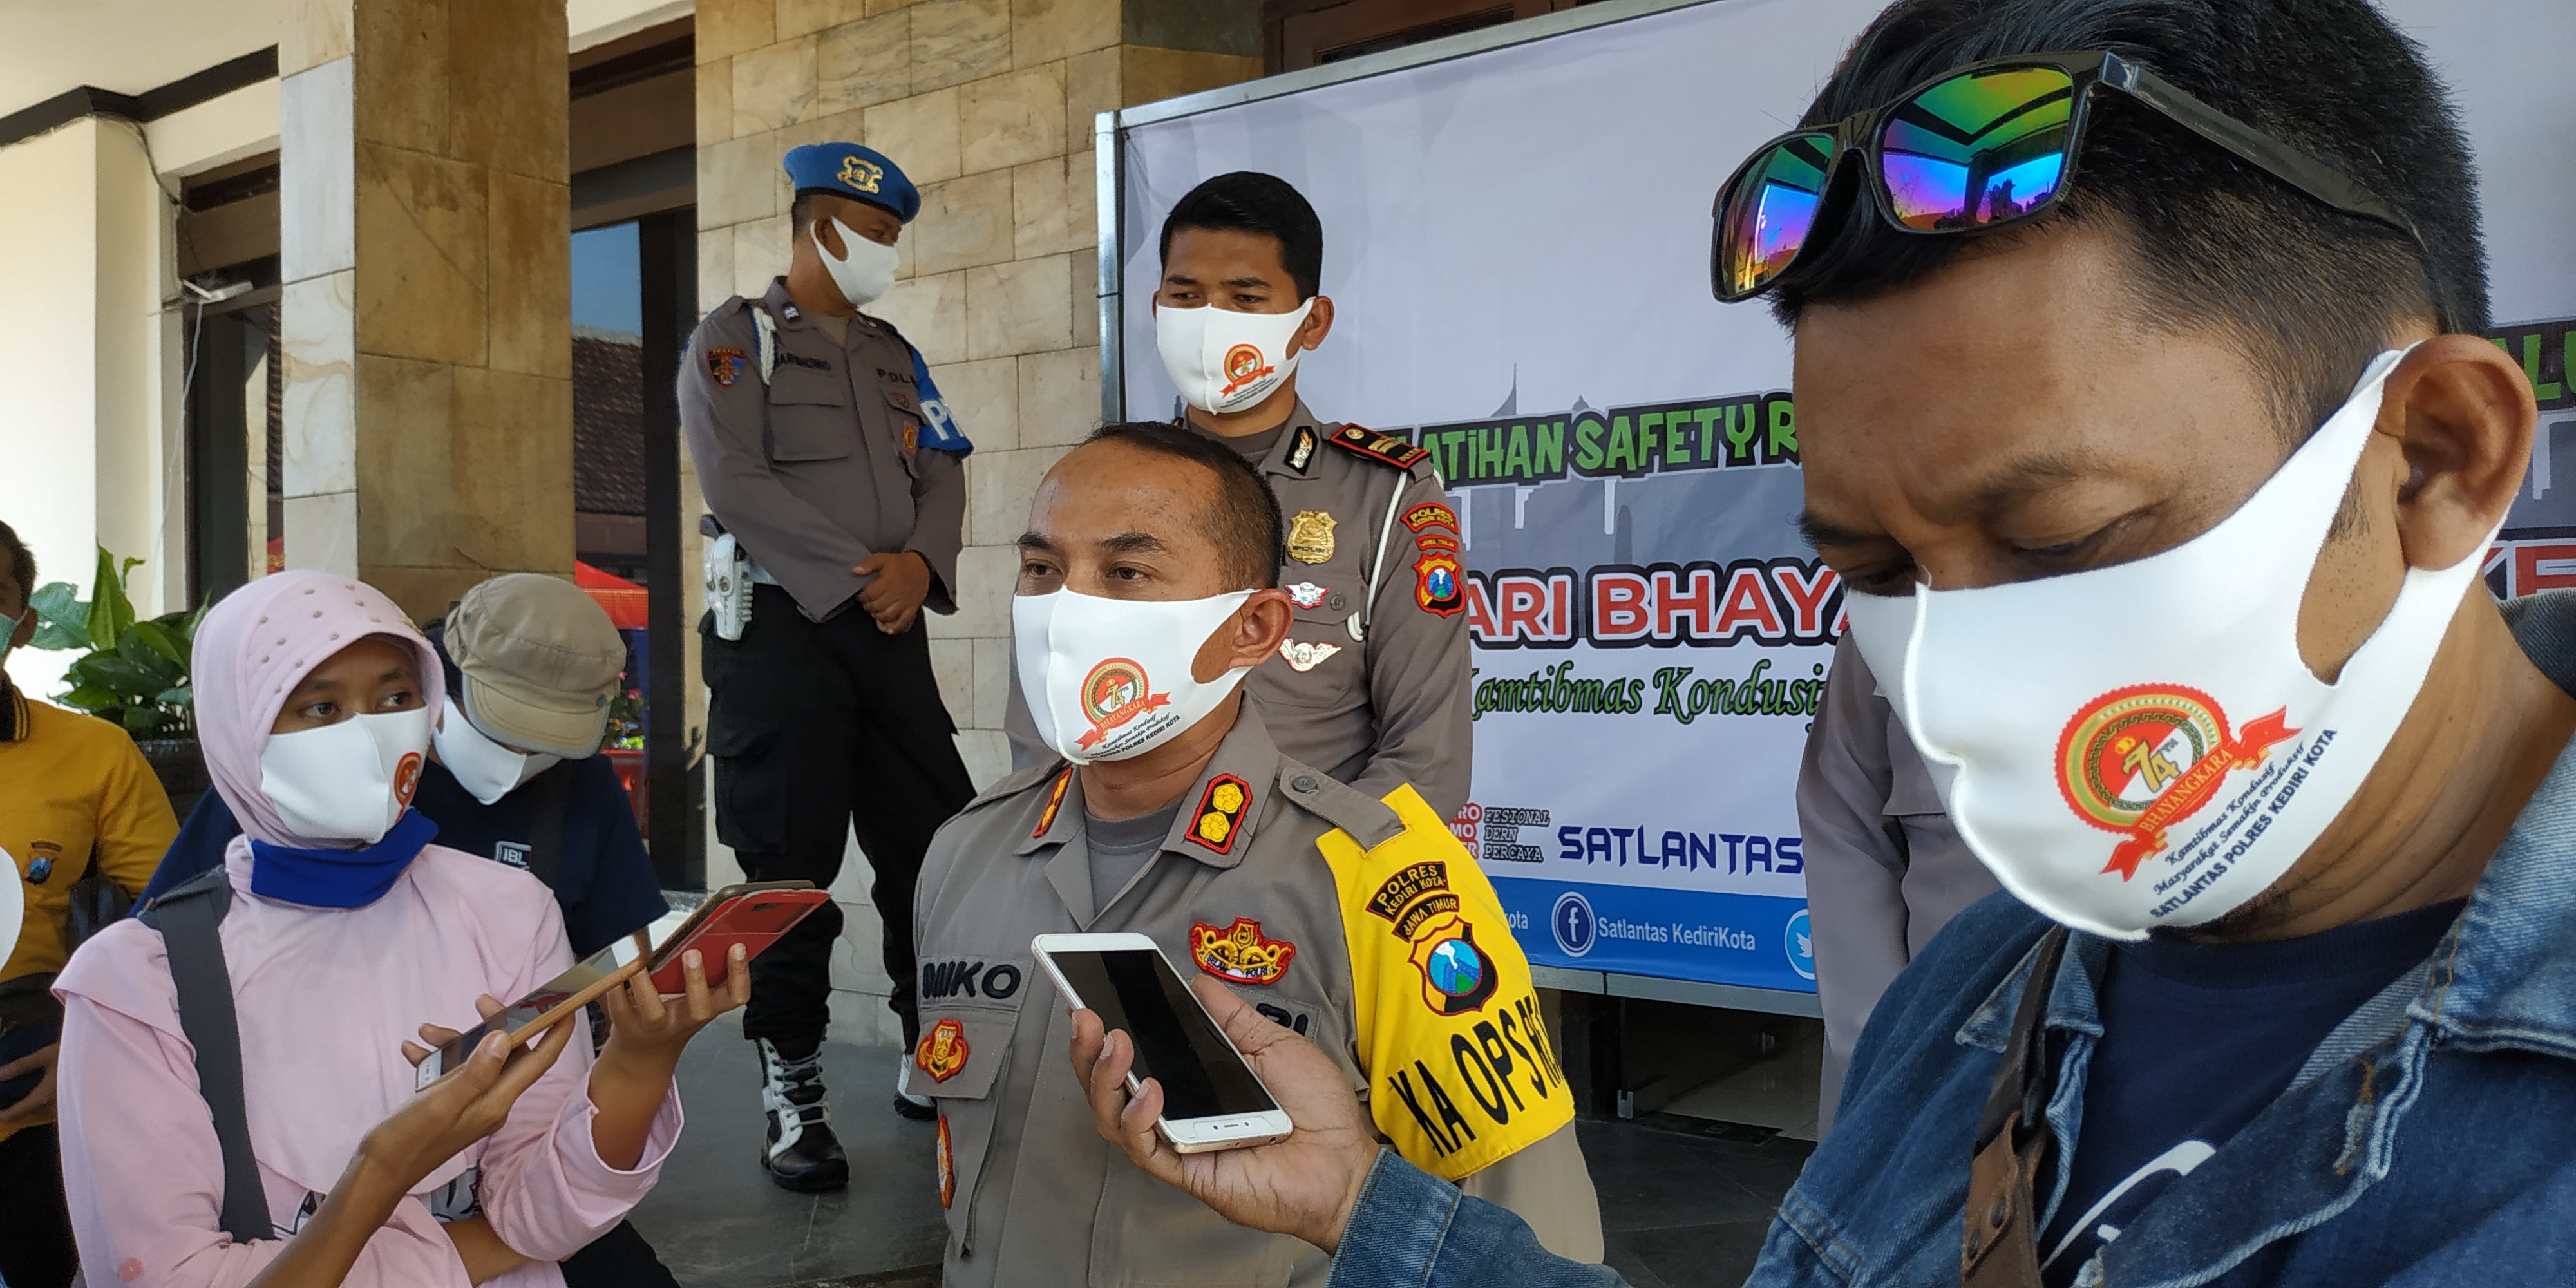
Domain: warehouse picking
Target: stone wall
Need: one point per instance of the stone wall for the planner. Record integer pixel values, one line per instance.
(988, 105)
(427, 307)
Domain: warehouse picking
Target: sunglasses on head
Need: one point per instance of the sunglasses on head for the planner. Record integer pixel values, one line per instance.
(1977, 147)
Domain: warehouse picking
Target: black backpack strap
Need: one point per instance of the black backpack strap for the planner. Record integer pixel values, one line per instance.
(545, 849)
(188, 916)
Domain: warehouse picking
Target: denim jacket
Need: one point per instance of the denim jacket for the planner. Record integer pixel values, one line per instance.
(2429, 1140)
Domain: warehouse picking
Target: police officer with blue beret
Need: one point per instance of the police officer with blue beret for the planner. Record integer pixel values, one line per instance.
(838, 496)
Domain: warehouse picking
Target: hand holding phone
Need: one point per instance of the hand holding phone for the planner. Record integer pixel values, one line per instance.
(1211, 1098)
(1306, 1185)
(644, 1022)
(751, 915)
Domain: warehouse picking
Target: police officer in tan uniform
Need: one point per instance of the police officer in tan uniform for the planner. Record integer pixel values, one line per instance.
(1885, 870)
(1146, 593)
(838, 495)
(1371, 684)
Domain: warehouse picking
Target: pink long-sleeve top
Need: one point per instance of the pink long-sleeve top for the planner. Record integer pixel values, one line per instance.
(325, 998)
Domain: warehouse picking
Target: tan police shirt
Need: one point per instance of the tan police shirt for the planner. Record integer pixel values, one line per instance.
(1885, 870)
(821, 466)
(1034, 1196)
(1371, 684)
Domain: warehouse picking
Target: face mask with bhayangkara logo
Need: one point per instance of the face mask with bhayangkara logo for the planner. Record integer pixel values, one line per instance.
(1107, 679)
(2154, 751)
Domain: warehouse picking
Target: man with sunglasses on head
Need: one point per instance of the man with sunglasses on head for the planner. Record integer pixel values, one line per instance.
(2161, 482)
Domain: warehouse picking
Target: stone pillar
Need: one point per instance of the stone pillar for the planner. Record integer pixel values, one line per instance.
(988, 106)
(427, 318)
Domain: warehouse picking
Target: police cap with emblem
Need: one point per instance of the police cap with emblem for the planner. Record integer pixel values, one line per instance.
(860, 174)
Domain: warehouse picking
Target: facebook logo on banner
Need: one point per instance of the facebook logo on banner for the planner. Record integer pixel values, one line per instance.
(1573, 923)
(1713, 936)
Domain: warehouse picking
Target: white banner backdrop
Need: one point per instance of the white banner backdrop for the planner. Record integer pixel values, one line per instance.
(1517, 242)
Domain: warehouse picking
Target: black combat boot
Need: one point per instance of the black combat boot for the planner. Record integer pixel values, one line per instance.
(801, 1152)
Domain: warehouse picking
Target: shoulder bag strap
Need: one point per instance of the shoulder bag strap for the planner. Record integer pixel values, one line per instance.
(2000, 1248)
(188, 917)
(545, 848)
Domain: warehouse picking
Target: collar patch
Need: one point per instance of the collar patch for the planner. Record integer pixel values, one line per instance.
(1302, 452)
(1055, 801)
(1219, 817)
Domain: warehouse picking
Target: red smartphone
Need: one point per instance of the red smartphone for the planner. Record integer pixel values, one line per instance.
(751, 915)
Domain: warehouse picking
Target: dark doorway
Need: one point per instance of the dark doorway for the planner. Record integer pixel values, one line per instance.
(633, 284)
(235, 505)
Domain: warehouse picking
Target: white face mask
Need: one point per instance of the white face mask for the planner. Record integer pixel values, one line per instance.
(347, 781)
(1225, 361)
(2141, 745)
(485, 768)
(1107, 679)
(865, 269)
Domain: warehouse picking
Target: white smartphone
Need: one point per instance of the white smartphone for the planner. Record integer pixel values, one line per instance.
(1211, 1098)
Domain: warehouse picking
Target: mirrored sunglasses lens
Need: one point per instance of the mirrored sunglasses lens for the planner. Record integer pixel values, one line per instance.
(1977, 149)
(1771, 211)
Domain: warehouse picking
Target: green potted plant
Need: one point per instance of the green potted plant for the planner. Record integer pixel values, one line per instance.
(134, 672)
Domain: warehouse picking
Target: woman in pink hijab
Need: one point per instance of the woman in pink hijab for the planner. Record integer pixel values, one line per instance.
(347, 930)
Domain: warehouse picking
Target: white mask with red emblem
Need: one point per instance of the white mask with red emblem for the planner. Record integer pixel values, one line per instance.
(2141, 745)
(347, 781)
(1224, 361)
(1107, 679)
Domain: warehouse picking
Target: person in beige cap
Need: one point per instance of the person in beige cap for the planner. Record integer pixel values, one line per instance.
(540, 663)
(532, 668)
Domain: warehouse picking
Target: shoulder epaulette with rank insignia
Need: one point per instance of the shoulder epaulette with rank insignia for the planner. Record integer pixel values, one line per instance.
(1378, 447)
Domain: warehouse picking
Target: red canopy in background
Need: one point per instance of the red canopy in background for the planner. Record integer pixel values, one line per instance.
(624, 600)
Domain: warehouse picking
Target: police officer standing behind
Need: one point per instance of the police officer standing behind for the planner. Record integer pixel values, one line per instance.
(1371, 684)
(835, 479)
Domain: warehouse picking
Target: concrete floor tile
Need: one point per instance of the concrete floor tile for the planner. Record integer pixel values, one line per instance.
(716, 1219)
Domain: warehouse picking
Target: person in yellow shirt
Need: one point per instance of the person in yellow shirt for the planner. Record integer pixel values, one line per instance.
(74, 792)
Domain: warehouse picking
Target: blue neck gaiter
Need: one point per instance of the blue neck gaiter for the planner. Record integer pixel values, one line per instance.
(339, 878)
